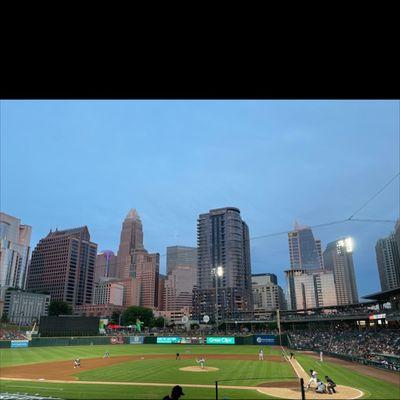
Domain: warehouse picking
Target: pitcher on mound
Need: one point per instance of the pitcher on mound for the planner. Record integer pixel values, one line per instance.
(201, 361)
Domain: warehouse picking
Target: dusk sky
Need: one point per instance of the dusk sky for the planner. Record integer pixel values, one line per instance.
(71, 163)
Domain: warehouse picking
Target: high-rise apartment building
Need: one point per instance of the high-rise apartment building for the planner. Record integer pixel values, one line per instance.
(267, 294)
(146, 270)
(161, 292)
(388, 260)
(309, 289)
(223, 269)
(132, 288)
(397, 235)
(14, 253)
(133, 260)
(63, 265)
(305, 251)
(108, 291)
(106, 265)
(179, 286)
(338, 258)
(181, 255)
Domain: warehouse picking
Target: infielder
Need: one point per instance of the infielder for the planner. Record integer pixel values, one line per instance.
(261, 355)
(202, 362)
(313, 378)
(106, 354)
(321, 356)
(77, 363)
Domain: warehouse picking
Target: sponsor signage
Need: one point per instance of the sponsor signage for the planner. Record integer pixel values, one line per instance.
(220, 340)
(136, 339)
(117, 340)
(265, 339)
(19, 343)
(168, 340)
(377, 316)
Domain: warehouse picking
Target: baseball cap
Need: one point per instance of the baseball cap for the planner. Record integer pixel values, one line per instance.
(177, 390)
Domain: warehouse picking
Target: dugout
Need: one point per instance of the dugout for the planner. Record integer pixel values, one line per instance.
(70, 325)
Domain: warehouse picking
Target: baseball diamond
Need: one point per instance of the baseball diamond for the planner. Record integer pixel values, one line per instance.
(149, 371)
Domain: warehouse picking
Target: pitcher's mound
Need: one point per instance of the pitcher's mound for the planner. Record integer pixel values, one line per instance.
(199, 369)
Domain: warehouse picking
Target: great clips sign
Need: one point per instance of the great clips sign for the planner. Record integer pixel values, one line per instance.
(263, 340)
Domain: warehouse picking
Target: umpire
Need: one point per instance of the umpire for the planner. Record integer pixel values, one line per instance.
(330, 385)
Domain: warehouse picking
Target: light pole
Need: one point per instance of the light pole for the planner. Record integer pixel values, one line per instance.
(218, 273)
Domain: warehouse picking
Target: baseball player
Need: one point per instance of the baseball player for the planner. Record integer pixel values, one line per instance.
(178, 356)
(106, 354)
(292, 355)
(261, 355)
(77, 363)
(202, 362)
(313, 378)
(321, 388)
(330, 385)
(321, 358)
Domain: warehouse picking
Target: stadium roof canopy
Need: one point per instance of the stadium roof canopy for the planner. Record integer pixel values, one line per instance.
(386, 295)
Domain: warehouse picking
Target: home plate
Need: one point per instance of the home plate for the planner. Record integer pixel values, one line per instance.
(198, 369)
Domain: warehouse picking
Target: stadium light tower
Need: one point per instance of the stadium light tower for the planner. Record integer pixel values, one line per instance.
(218, 273)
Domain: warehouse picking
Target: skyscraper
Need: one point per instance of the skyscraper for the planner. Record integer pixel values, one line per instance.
(179, 286)
(305, 251)
(267, 294)
(131, 241)
(14, 252)
(133, 260)
(181, 255)
(223, 246)
(338, 258)
(388, 260)
(309, 289)
(63, 265)
(106, 265)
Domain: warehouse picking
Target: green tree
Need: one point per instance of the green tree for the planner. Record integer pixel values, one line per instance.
(115, 317)
(158, 322)
(59, 307)
(130, 315)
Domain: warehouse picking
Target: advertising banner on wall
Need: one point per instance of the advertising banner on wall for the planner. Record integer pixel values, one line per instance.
(264, 339)
(136, 339)
(117, 339)
(168, 340)
(19, 343)
(220, 340)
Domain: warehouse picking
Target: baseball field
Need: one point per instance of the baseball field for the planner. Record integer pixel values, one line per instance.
(150, 371)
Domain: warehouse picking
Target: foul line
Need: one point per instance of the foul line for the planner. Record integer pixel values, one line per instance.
(133, 383)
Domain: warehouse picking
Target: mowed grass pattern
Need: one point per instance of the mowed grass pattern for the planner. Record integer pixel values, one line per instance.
(167, 371)
(162, 370)
(30, 355)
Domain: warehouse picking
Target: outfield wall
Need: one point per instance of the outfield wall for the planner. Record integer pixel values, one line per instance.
(259, 340)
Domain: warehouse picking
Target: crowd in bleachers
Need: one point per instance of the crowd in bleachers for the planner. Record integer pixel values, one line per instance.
(372, 345)
(11, 334)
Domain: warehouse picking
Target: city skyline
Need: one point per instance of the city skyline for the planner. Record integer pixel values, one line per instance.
(266, 152)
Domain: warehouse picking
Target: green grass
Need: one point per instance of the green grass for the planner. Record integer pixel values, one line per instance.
(372, 387)
(108, 392)
(30, 355)
(167, 371)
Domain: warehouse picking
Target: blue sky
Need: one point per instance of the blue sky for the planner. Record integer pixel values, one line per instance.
(72, 163)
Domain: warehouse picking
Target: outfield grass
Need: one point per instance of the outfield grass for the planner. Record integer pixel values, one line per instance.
(19, 356)
(167, 371)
